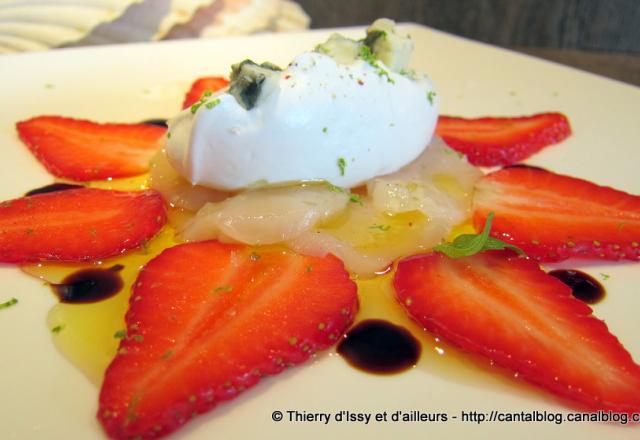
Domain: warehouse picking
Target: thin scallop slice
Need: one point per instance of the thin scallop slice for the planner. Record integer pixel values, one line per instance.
(176, 190)
(266, 216)
(368, 241)
(439, 183)
(405, 212)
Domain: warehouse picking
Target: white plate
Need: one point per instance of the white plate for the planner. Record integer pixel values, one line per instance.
(43, 396)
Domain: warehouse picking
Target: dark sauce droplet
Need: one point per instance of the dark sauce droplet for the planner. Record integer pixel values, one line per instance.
(378, 346)
(89, 285)
(583, 286)
(52, 188)
(159, 122)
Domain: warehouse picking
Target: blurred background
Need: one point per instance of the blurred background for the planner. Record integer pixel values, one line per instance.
(601, 36)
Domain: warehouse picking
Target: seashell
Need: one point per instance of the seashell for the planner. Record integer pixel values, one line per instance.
(291, 18)
(147, 21)
(39, 25)
(27, 25)
(241, 17)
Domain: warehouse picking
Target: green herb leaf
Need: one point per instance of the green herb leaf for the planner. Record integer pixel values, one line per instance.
(120, 334)
(383, 228)
(7, 304)
(466, 245)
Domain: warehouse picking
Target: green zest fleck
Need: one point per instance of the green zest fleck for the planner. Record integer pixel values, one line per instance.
(431, 96)
(605, 276)
(57, 329)
(466, 245)
(120, 334)
(409, 73)
(227, 288)
(355, 198)
(7, 304)
(342, 165)
(167, 355)
(321, 48)
(131, 415)
(383, 228)
(203, 100)
(194, 108)
(212, 104)
(325, 129)
(367, 55)
(168, 135)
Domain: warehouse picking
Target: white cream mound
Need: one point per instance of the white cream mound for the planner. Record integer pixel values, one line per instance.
(316, 120)
(338, 114)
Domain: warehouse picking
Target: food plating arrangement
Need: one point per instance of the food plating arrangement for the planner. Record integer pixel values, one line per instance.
(194, 257)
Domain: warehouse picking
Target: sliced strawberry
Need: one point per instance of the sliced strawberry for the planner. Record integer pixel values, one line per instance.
(505, 308)
(83, 150)
(202, 85)
(209, 320)
(502, 141)
(77, 224)
(553, 217)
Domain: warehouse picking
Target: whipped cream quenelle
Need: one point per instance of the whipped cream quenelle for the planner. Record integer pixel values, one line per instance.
(346, 112)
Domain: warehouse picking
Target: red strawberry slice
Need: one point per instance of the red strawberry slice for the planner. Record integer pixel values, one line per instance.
(505, 308)
(83, 150)
(553, 217)
(202, 85)
(502, 141)
(77, 224)
(209, 320)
